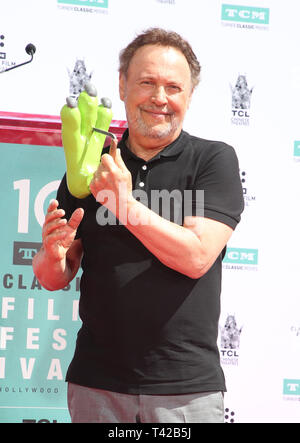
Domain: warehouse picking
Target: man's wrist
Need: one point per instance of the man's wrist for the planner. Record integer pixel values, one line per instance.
(126, 208)
(50, 259)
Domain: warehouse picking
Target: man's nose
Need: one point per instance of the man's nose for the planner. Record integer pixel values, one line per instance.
(159, 96)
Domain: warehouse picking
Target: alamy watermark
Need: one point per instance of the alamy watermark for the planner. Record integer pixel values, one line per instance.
(174, 206)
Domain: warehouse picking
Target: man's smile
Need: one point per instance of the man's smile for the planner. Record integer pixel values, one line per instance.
(157, 114)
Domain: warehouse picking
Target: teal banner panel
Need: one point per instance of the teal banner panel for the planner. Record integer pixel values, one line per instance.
(37, 327)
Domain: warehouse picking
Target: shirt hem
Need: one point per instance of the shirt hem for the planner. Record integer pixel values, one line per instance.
(152, 389)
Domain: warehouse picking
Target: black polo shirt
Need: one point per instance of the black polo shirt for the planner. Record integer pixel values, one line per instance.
(147, 328)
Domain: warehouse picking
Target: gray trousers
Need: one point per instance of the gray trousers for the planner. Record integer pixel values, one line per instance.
(87, 405)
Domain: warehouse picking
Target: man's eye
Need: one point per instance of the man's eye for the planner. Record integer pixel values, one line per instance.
(173, 88)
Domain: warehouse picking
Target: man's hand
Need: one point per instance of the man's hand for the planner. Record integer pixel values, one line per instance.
(112, 182)
(82, 145)
(58, 234)
(58, 261)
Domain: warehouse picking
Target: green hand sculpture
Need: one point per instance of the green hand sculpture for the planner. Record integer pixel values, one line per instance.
(82, 142)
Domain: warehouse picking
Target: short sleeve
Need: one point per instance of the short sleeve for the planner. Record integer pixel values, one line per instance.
(219, 178)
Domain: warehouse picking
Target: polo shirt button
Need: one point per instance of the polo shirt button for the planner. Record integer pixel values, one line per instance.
(144, 167)
(141, 184)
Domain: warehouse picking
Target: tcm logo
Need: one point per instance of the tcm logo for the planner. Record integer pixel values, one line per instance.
(291, 387)
(297, 148)
(241, 256)
(24, 252)
(91, 3)
(245, 14)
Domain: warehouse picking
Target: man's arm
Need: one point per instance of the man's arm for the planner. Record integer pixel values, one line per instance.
(58, 261)
(190, 249)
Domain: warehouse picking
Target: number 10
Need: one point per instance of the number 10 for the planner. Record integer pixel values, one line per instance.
(24, 202)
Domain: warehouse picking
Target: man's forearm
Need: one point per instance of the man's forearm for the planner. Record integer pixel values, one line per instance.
(175, 246)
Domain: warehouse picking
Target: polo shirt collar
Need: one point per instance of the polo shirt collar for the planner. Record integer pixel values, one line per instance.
(171, 150)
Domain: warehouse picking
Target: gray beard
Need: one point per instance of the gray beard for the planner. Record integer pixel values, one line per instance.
(139, 125)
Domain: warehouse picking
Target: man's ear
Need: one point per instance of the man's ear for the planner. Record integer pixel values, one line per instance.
(122, 82)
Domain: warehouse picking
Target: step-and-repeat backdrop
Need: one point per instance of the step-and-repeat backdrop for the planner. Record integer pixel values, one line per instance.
(249, 97)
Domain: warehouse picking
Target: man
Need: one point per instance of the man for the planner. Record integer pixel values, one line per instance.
(150, 288)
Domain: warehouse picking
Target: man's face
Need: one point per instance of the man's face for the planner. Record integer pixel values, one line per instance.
(156, 93)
